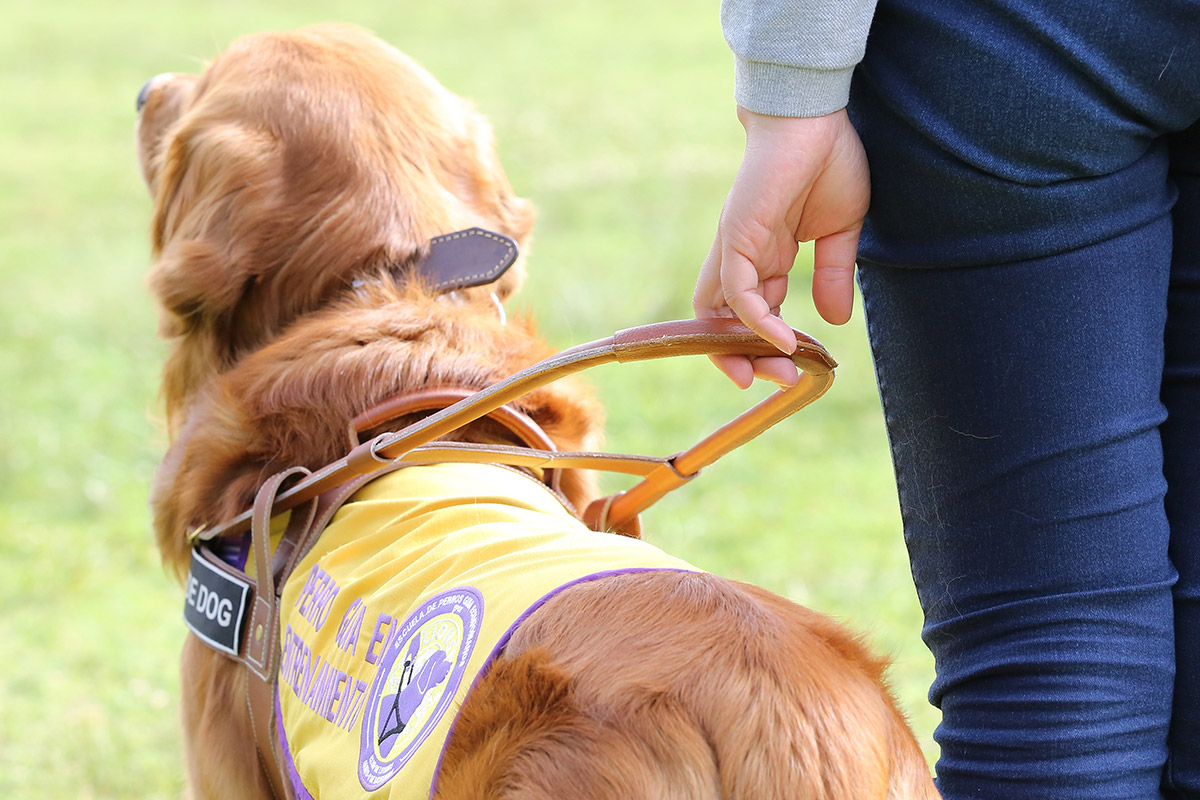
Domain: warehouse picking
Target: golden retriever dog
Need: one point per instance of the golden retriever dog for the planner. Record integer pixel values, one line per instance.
(294, 184)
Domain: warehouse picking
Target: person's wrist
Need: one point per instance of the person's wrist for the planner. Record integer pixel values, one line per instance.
(770, 123)
(788, 142)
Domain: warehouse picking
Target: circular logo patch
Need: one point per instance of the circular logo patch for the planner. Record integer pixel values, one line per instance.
(419, 673)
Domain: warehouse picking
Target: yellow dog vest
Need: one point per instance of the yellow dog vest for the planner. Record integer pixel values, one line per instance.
(411, 591)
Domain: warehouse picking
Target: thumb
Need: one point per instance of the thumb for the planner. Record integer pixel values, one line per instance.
(833, 274)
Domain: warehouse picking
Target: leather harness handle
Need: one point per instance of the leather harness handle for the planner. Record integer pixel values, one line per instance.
(659, 340)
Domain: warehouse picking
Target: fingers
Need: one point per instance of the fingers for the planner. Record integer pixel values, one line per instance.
(737, 368)
(779, 370)
(833, 275)
(709, 301)
(707, 298)
(748, 290)
(755, 314)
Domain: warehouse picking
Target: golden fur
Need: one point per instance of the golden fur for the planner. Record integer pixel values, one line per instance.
(299, 163)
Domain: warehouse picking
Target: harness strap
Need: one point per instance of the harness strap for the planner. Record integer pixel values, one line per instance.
(261, 652)
(438, 397)
(260, 646)
(660, 340)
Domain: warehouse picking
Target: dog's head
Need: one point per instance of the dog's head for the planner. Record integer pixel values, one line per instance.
(294, 181)
(294, 165)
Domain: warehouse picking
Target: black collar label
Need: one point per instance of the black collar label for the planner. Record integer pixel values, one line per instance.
(215, 605)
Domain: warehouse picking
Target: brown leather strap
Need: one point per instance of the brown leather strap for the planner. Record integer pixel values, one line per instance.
(325, 507)
(260, 702)
(259, 648)
(437, 398)
(624, 508)
(260, 653)
(598, 516)
(661, 340)
(471, 452)
(262, 644)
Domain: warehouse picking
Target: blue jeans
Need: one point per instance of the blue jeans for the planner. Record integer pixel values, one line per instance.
(1031, 275)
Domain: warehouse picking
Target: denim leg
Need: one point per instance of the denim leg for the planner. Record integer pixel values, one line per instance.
(1006, 130)
(1022, 404)
(1181, 451)
(1016, 267)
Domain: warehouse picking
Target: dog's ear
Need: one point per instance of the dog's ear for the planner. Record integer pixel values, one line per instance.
(302, 163)
(210, 178)
(212, 189)
(192, 281)
(163, 101)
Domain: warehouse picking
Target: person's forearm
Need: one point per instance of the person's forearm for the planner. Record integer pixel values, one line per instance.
(795, 58)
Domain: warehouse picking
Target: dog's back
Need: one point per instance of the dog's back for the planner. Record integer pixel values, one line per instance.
(628, 673)
(678, 685)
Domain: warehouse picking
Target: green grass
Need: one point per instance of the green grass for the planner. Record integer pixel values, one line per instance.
(618, 123)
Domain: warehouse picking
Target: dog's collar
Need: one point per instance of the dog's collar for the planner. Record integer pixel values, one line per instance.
(460, 260)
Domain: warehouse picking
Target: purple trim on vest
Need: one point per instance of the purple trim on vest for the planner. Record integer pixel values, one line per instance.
(233, 551)
(289, 764)
(500, 645)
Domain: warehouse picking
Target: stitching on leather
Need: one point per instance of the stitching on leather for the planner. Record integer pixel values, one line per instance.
(490, 271)
(261, 521)
(257, 751)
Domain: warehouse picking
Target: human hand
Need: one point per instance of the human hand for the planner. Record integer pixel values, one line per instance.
(801, 179)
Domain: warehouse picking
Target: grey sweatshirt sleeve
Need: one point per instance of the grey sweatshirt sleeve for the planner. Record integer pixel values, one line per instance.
(794, 58)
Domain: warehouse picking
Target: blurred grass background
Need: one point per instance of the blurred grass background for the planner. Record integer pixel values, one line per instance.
(615, 118)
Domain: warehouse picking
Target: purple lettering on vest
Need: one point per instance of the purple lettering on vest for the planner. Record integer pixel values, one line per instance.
(315, 685)
(360, 699)
(286, 654)
(313, 700)
(350, 628)
(317, 596)
(392, 633)
(325, 599)
(300, 655)
(384, 622)
(349, 697)
(322, 699)
(303, 657)
(345, 700)
(322, 695)
(334, 696)
(307, 590)
(330, 694)
(303, 666)
(301, 670)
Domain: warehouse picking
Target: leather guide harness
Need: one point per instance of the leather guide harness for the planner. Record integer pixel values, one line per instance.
(239, 614)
